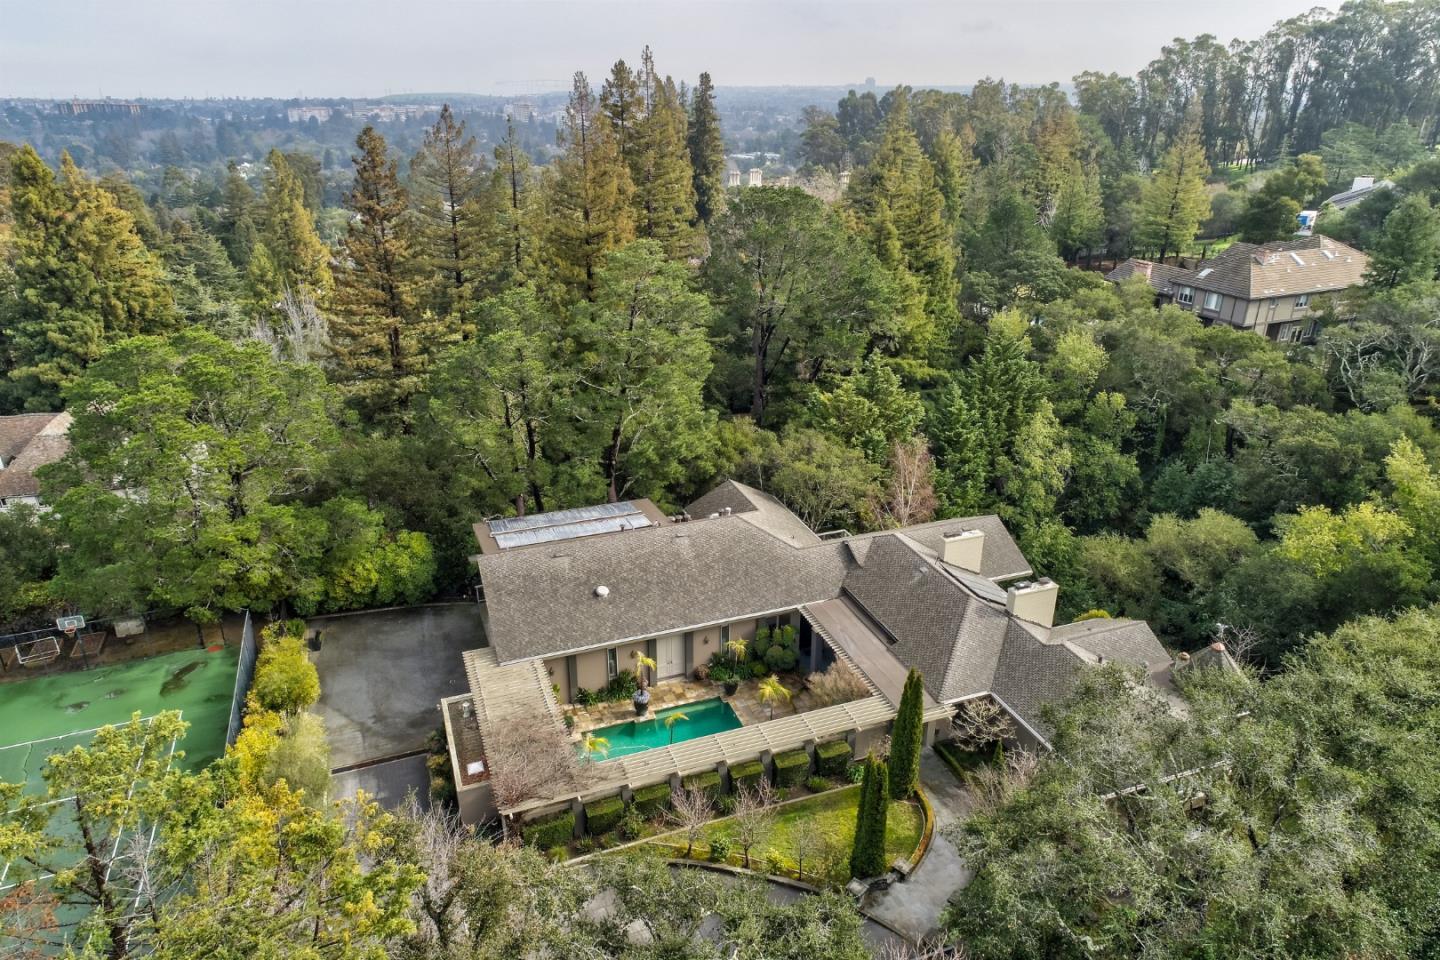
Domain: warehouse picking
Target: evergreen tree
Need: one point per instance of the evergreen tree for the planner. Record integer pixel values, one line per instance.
(899, 201)
(1408, 248)
(660, 166)
(589, 191)
(295, 260)
(907, 739)
(1078, 225)
(81, 278)
(513, 222)
(955, 163)
(622, 99)
(382, 339)
(707, 151)
(1174, 201)
(867, 858)
(447, 178)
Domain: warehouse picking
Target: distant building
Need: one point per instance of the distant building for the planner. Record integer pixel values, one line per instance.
(114, 108)
(755, 178)
(1305, 222)
(1266, 288)
(1360, 188)
(27, 443)
(732, 177)
(306, 114)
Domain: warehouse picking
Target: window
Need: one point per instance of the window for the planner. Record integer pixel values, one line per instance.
(1212, 301)
(1296, 333)
(1185, 296)
(1302, 301)
(612, 666)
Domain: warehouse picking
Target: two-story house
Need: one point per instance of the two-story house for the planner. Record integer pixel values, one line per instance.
(1270, 288)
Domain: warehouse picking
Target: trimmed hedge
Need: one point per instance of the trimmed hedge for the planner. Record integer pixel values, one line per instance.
(602, 816)
(652, 799)
(746, 775)
(709, 782)
(552, 831)
(832, 759)
(791, 768)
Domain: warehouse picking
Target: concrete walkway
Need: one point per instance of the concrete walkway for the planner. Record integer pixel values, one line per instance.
(914, 907)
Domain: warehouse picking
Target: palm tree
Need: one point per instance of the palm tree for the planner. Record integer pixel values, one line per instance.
(736, 646)
(642, 664)
(771, 690)
(670, 723)
(594, 745)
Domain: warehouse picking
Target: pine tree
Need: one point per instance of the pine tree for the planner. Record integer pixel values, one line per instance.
(707, 151)
(955, 164)
(907, 739)
(897, 197)
(867, 858)
(1408, 247)
(447, 179)
(299, 261)
(622, 99)
(382, 340)
(237, 218)
(1174, 200)
(82, 278)
(512, 223)
(589, 193)
(660, 166)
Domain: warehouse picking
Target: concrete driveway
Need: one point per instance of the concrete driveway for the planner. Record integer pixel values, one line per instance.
(914, 907)
(383, 674)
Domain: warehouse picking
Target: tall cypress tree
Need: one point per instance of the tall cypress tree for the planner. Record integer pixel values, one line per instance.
(382, 340)
(907, 739)
(1174, 200)
(447, 178)
(707, 151)
(660, 166)
(82, 278)
(295, 260)
(867, 857)
(589, 192)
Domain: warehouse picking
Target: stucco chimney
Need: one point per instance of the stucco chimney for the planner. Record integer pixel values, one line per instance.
(964, 549)
(1034, 602)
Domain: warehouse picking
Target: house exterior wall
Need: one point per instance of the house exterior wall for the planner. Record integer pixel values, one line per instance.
(704, 644)
(627, 655)
(477, 803)
(590, 671)
(559, 672)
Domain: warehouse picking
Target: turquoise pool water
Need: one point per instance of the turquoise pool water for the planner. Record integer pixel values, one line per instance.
(701, 719)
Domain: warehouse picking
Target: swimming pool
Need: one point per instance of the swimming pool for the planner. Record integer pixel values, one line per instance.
(700, 719)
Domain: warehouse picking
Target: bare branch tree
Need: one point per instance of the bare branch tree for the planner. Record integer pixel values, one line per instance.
(991, 786)
(838, 684)
(690, 810)
(806, 840)
(980, 722)
(301, 336)
(930, 948)
(753, 816)
(909, 497)
(531, 757)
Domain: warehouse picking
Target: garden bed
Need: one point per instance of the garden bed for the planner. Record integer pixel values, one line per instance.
(963, 762)
(832, 816)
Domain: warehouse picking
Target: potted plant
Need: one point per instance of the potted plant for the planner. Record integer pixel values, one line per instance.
(641, 699)
(736, 647)
(724, 674)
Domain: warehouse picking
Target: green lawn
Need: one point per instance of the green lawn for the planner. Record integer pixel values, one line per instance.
(834, 815)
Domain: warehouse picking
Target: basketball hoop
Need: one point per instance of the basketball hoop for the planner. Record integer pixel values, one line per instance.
(70, 631)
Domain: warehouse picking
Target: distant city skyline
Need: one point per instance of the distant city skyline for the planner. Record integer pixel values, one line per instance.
(368, 48)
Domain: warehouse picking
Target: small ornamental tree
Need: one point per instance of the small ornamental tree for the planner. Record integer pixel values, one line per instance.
(285, 679)
(907, 739)
(867, 858)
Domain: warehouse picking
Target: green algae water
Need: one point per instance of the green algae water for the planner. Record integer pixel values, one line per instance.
(45, 715)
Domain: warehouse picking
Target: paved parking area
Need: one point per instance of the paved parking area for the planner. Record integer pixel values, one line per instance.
(383, 674)
(386, 783)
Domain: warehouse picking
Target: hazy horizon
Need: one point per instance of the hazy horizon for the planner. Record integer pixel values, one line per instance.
(366, 48)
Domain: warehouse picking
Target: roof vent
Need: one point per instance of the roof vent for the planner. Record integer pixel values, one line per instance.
(602, 591)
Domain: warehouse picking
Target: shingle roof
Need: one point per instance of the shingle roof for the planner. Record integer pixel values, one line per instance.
(1260, 271)
(756, 507)
(27, 443)
(1000, 560)
(1160, 276)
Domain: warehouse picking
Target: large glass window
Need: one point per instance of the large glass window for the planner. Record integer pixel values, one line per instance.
(1212, 301)
(1185, 296)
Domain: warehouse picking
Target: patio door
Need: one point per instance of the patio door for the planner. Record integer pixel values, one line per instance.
(670, 657)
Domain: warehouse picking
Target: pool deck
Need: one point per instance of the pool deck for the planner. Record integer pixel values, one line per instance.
(677, 693)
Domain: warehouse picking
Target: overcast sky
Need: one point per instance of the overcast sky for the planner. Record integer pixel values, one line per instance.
(358, 48)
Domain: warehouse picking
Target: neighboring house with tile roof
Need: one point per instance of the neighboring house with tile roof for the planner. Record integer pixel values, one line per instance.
(1271, 288)
(28, 442)
(573, 598)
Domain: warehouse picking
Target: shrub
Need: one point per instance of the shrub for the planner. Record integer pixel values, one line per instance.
(838, 684)
(855, 772)
(585, 845)
(651, 800)
(758, 669)
(720, 849)
(817, 784)
(285, 679)
(776, 865)
(746, 775)
(622, 687)
(631, 824)
(601, 816)
(549, 832)
(781, 658)
(832, 758)
(585, 698)
(725, 805)
(791, 767)
(708, 782)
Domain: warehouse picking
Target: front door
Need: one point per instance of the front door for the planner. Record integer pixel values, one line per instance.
(670, 657)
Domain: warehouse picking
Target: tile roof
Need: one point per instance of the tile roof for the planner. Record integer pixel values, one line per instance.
(27, 443)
